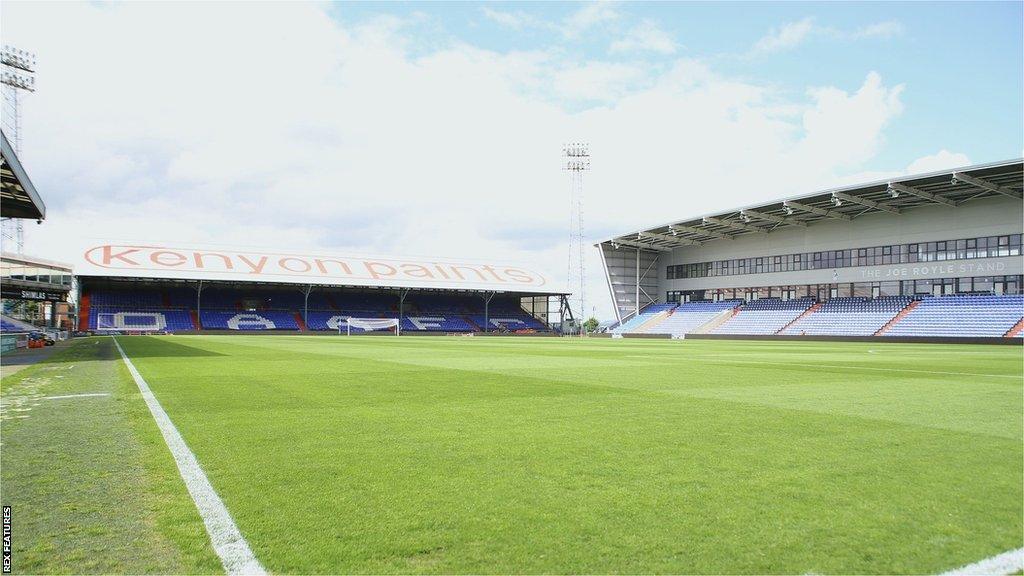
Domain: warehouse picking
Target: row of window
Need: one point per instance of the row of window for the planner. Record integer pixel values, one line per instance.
(935, 287)
(35, 274)
(967, 248)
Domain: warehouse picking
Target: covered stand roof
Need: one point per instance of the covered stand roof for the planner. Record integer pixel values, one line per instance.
(18, 197)
(142, 260)
(894, 196)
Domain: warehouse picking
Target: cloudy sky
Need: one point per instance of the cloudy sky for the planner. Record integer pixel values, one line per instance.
(436, 129)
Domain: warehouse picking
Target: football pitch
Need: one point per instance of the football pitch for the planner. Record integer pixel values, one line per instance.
(520, 455)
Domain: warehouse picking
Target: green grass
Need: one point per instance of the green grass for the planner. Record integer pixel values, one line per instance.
(489, 455)
(91, 484)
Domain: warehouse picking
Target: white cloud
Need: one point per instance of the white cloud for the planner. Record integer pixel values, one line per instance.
(305, 133)
(517, 19)
(793, 34)
(788, 36)
(859, 117)
(645, 37)
(598, 81)
(941, 160)
(589, 16)
(886, 29)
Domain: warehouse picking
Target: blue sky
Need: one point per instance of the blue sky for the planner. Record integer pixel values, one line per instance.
(961, 61)
(435, 129)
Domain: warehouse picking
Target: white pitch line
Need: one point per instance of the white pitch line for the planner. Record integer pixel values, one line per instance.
(74, 396)
(227, 540)
(1005, 563)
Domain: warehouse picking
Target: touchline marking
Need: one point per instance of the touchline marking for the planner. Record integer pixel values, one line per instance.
(75, 396)
(234, 552)
(1005, 563)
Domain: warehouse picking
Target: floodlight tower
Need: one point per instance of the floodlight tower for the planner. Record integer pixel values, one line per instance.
(576, 161)
(19, 68)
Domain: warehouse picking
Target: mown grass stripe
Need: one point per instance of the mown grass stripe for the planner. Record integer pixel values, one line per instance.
(234, 552)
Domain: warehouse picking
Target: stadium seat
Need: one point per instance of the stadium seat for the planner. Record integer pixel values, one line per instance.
(263, 320)
(764, 316)
(436, 323)
(510, 321)
(117, 319)
(849, 317)
(135, 299)
(283, 309)
(634, 324)
(8, 324)
(961, 315)
(689, 316)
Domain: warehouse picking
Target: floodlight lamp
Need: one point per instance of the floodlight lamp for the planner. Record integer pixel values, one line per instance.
(954, 181)
(789, 211)
(836, 202)
(893, 193)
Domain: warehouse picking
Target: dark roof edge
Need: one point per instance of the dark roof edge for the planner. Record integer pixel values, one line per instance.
(22, 176)
(844, 189)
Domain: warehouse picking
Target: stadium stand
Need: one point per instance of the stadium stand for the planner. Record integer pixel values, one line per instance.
(255, 308)
(646, 315)
(174, 309)
(429, 323)
(8, 324)
(939, 316)
(764, 316)
(961, 315)
(333, 321)
(128, 300)
(690, 316)
(510, 321)
(248, 320)
(849, 317)
(122, 319)
(1018, 329)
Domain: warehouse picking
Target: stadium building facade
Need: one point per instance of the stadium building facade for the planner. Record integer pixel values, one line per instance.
(890, 249)
(140, 287)
(33, 291)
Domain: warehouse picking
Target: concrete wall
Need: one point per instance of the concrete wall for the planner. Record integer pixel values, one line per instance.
(621, 269)
(983, 217)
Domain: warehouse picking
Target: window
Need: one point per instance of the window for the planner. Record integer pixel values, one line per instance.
(971, 248)
(1007, 245)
